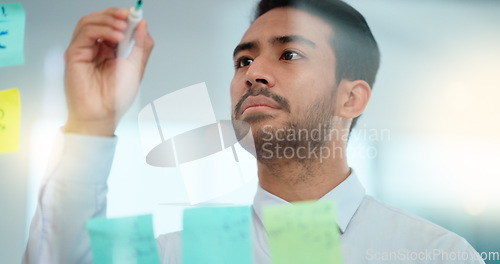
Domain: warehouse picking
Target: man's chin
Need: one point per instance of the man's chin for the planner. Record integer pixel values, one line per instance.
(253, 122)
(257, 118)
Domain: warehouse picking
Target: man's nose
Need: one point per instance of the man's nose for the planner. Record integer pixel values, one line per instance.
(259, 73)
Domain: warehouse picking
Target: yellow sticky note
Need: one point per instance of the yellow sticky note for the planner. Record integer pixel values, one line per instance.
(10, 120)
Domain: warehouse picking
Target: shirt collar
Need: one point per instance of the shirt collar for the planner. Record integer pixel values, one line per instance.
(348, 195)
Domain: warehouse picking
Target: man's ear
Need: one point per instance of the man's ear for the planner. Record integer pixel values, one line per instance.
(352, 98)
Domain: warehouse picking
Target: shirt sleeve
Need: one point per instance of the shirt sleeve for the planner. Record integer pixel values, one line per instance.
(465, 253)
(452, 248)
(74, 189)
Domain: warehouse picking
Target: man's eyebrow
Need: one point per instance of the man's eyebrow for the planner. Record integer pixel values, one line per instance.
(275, 40)
(292, 38)
(245, 46)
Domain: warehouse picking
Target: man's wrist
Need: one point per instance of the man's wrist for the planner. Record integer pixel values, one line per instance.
(102, 128)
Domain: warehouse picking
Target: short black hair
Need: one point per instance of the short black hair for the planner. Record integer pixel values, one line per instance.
(356, 50)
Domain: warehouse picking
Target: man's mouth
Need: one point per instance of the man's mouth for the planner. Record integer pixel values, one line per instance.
(260, 100)
(259, 103)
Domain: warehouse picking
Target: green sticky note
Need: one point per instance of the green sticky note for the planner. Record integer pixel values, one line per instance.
(305, 232)
(12, 23)
(128, 240)
(10, 120)
(217, 235)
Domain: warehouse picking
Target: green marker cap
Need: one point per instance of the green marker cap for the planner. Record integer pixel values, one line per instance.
(138, 5)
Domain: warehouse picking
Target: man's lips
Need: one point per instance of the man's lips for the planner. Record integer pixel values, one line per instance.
(258, 102)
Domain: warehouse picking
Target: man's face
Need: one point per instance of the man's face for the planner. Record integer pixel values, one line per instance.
(284, 70)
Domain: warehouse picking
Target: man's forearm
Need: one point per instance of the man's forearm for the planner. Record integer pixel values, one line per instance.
(73, 191)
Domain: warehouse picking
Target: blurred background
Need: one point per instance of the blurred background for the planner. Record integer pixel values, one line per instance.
(429, 141)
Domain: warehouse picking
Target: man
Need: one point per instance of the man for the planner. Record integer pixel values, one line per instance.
(300, 66)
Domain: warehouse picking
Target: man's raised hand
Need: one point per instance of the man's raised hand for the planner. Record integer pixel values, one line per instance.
(101, 87)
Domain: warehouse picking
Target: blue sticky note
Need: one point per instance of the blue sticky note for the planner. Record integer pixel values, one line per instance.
(12, 24)
(217, 235)
(128, 240)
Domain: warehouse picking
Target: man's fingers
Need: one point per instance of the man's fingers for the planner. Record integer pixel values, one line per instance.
(144, 44)
(105, 52)
(102, 18)
(142, 37)
(120, 13)
(90, 34)
(113, 17)
(112, 45)
(86, 41)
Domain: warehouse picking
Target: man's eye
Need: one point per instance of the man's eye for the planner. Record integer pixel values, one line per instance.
(290, 55)
(243, 62)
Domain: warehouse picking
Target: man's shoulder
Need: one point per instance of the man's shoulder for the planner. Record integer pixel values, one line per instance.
(395, 217)
(378, 230)
(407, 228)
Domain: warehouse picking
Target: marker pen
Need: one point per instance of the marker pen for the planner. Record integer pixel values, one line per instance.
(135, 15)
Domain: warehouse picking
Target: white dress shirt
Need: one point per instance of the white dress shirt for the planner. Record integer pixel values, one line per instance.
(75, 189)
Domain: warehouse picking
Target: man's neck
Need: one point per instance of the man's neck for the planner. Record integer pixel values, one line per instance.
(293, 180)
